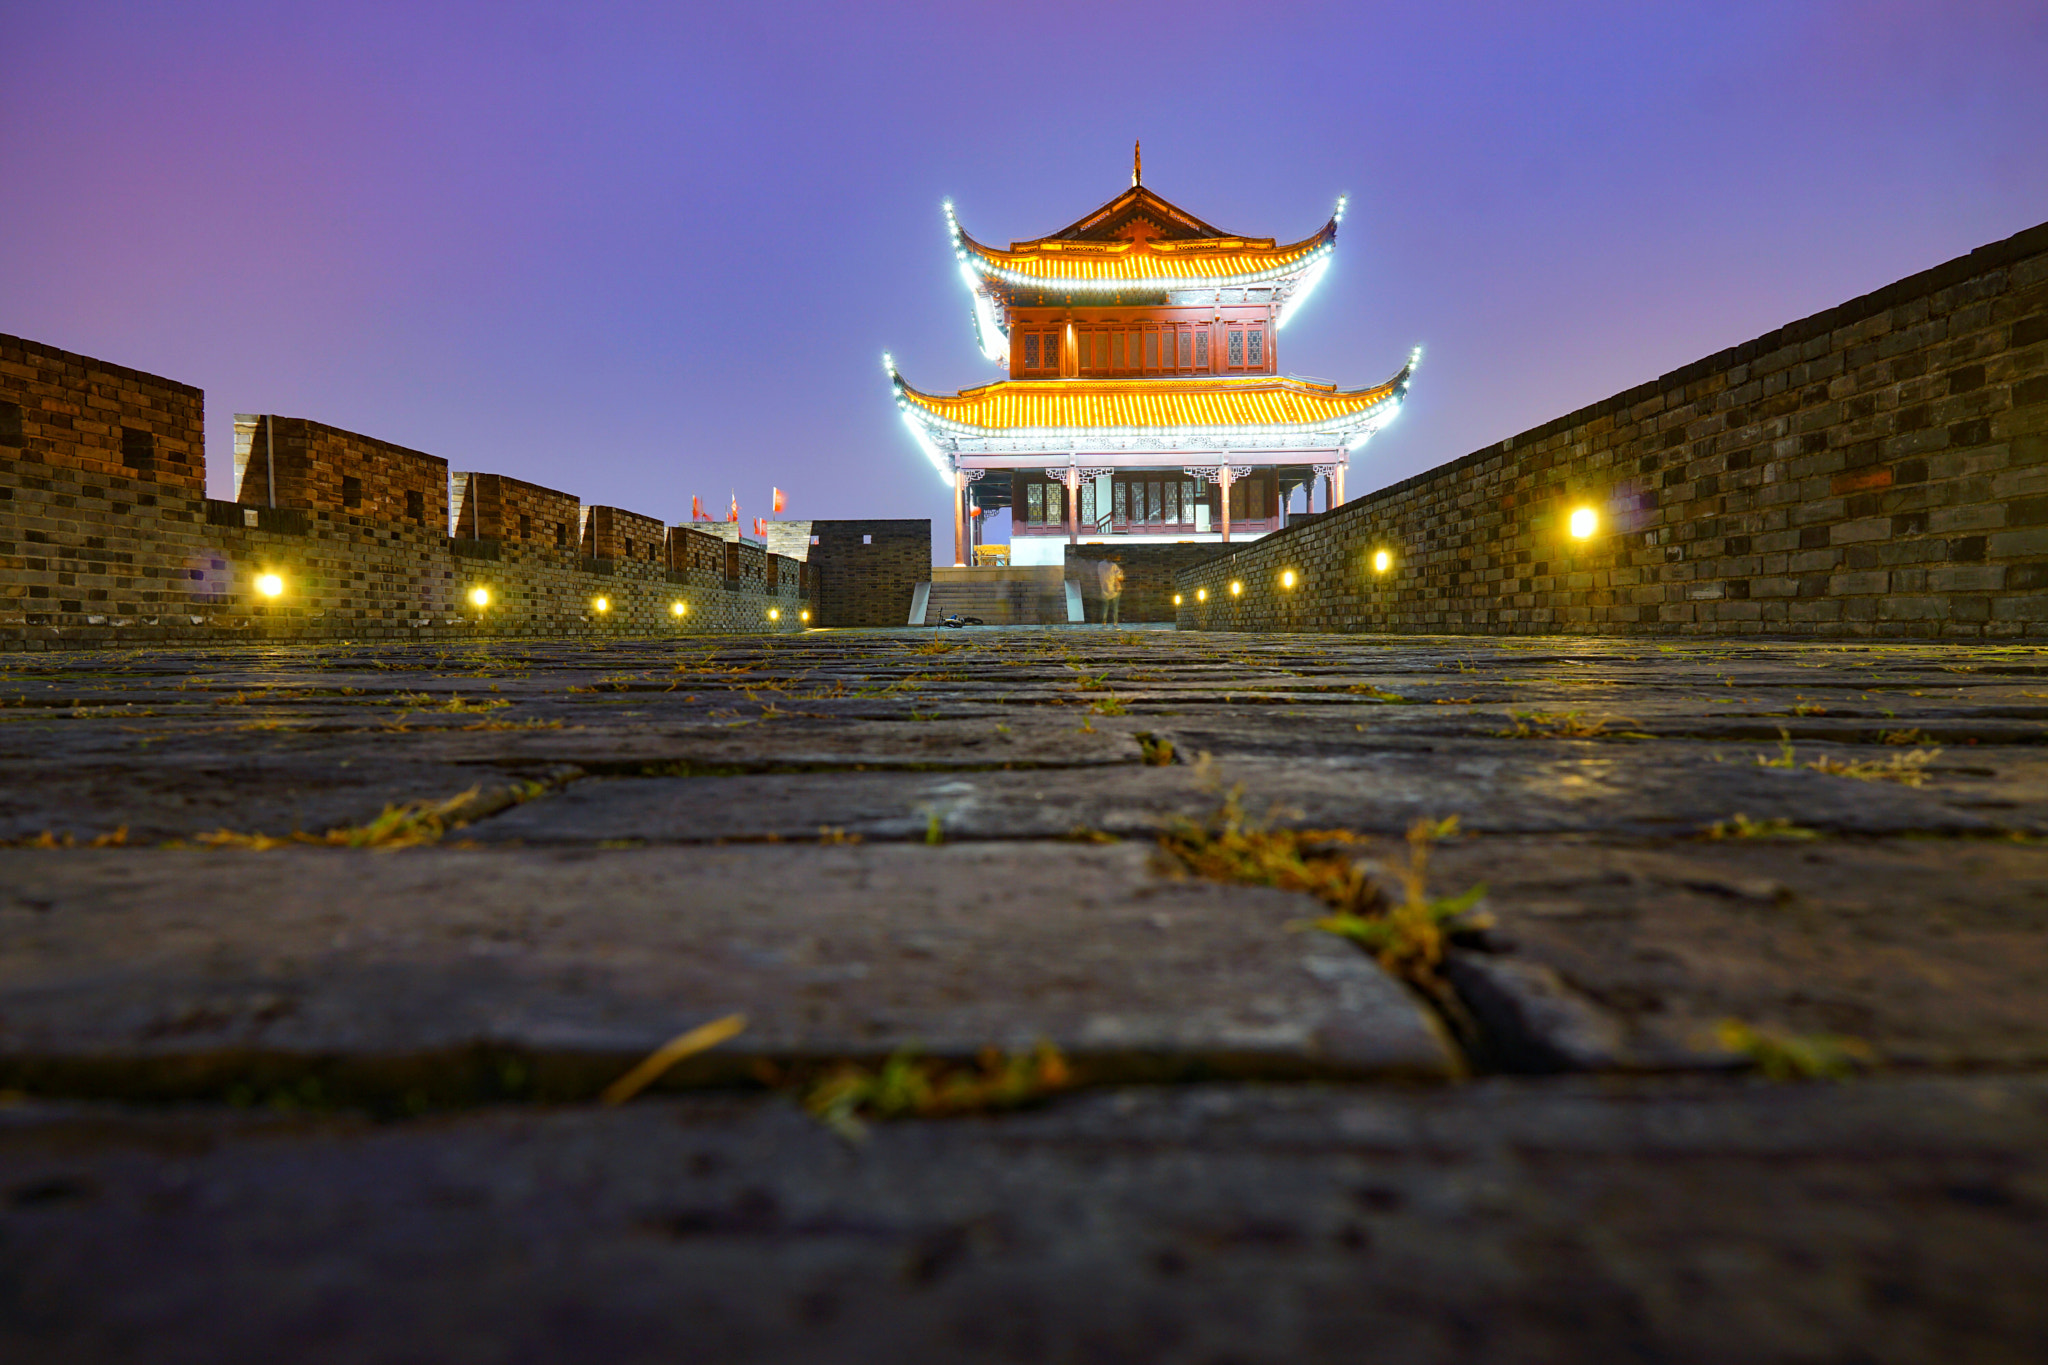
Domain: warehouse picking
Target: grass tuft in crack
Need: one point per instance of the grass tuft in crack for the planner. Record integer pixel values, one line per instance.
(909, 1086)
(1781, 1056)
(1408, 936)
(403, 826)
(1740, 826)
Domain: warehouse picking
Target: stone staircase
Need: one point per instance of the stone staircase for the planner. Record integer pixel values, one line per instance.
(1035, 595)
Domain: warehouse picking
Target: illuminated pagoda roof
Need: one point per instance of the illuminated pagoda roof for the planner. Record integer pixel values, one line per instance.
(1139, 242)
(1217, 413)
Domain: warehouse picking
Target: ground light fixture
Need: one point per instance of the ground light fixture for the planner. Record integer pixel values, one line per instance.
(270, 585)
(480, 597)
(679, 608)
(1287, 578)
(603, 604)
(1236, 588)
(1381, 561)
(1584, 522)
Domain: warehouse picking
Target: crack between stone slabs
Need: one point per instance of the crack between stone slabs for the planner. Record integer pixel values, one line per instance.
(629, 768)
(464, 1076)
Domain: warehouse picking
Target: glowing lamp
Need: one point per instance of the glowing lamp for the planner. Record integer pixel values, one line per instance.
(775, 613)
(804, 615)
(1236, 588)
(1201, 594)
(1287, 578)
(1382, 561)
(1584, 522)
(1176, 599)
(678, 609)
(270, 585)
(603, 604)
(480, 597)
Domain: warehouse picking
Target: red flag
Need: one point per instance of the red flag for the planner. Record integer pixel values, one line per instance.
(696, 508)
(761, 528)
(777, 508)
(734, 515)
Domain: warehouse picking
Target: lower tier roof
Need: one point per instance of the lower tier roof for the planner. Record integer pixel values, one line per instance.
(1209, 403)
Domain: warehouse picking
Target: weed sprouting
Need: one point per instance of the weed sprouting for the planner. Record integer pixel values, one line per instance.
(1407, 937)
(1908, 769)
(1740, 826)
(1154, 751)
(847, 1097)
(402, 826)
(1782, 1056)
(1110, 706)
(47, 839)
(1550, 725)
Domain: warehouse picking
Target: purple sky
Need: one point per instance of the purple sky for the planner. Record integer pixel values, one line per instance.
(637, 252)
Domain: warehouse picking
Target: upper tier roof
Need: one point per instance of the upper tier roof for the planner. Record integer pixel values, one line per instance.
(1140, 241)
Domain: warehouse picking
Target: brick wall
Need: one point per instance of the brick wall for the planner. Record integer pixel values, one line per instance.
(1879, 469)
(866, 571)
(119, 427)
(494, 507)
(107, 538)
(323, 468)
(1151, 573)
(616, 534)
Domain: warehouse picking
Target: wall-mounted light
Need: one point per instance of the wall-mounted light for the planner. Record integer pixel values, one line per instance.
(1176, 599)
(270, 585)
(1381, 561)
(1287, 578)
(679, 608)
(603, 604)
(775, 613)
(1584, 522)
(804, 615)
(1236, 588)
(1201, 594)
(480, 597)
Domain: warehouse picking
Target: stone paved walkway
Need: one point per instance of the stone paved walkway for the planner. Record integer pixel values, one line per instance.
(274, 1097)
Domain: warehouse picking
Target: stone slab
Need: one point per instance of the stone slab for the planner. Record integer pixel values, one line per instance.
(192, 973)
(1533, 786)
(1893, 1221)
(1932, 953)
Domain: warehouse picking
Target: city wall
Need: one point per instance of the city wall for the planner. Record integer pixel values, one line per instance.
(108, 538)
(1879, 469)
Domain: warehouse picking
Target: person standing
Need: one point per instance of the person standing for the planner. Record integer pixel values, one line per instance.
(1112, 591)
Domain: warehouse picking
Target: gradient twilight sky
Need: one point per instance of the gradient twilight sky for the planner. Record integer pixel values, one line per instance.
(640, 251)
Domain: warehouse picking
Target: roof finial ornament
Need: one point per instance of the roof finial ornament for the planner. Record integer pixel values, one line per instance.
(1137, 164)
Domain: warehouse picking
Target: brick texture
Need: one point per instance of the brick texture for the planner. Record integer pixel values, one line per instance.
(107, 537)
(867, 571)
(1879, 469)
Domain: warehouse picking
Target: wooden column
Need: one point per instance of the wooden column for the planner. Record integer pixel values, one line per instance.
(1337, 488)
(959, 518)
(1073, 505)
(1223, 499)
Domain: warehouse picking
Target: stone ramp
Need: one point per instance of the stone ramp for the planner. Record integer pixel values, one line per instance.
(1025, 595)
